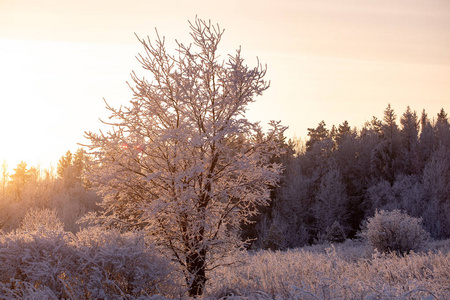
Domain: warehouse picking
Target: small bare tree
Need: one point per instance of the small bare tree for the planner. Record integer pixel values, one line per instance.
(182, 161)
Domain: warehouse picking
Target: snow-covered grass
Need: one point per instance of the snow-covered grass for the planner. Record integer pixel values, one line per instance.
(53, 264)
(347, 271)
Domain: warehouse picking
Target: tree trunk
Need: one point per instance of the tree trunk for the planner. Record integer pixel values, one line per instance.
(196, 278)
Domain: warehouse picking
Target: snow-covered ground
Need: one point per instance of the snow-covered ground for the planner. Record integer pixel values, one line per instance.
(345, 271)
(99, 264)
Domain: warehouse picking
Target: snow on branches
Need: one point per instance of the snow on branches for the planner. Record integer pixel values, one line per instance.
(182, 161)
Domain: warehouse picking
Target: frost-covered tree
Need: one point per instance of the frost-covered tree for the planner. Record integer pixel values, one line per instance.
(293, 206)
(71, 167)
(372, 127)
(385, 155)
(442, 117)
(442, 129)
(317, 134)
(331, 200)
(436, 182)
(63, 164)
(319, 148)
(427, 139)
(274, 239)
(4, 176)
(380, 196)
(343, 132)
(79, 164)
(409, 139)
(182, 161)
(410, 194)
(19, 179)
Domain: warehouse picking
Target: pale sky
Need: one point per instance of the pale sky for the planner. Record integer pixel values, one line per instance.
(327, 60)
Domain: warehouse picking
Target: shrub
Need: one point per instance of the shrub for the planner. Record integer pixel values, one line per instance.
(394, 231)
(94, 264)
(121, 263)
(335, 233)
(38, 219)
(36, 262)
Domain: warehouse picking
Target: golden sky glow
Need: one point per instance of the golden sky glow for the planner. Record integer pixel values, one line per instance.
(327, 60)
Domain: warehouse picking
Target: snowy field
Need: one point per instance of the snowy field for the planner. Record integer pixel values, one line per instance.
(99, 264)
(345, 271)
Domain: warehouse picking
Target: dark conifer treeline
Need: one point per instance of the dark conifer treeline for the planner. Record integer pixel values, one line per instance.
(344, 175)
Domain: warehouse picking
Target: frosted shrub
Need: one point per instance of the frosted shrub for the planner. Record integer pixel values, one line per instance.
(95, 264)
(121, 264)
(36, 263)
(41, 218)
(394, 231)
(17, 289)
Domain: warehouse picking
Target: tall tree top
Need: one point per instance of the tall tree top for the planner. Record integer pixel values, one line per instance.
(389, 125)
(442, 117)
(317, 134)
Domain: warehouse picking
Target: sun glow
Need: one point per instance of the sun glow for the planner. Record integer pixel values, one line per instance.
(325, 62)
(51, 93)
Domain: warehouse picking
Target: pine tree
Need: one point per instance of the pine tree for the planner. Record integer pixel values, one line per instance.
(427, 140)
(4, 176)
(80, 165)
(331, 200)
(389, 126)
(385, 155)
(436, 182)
(71, 167)
(442, 129)
(64, 164)
(442, 117)
(20, 178)
(317, 134)
(409, 142)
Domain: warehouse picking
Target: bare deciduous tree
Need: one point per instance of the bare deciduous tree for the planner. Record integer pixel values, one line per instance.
(182, 161)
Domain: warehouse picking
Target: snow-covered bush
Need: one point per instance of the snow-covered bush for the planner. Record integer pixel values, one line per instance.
(41, 218)
(42, 259)
(95, 264)
(394, 231)
(121, 264)
(17, 289)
